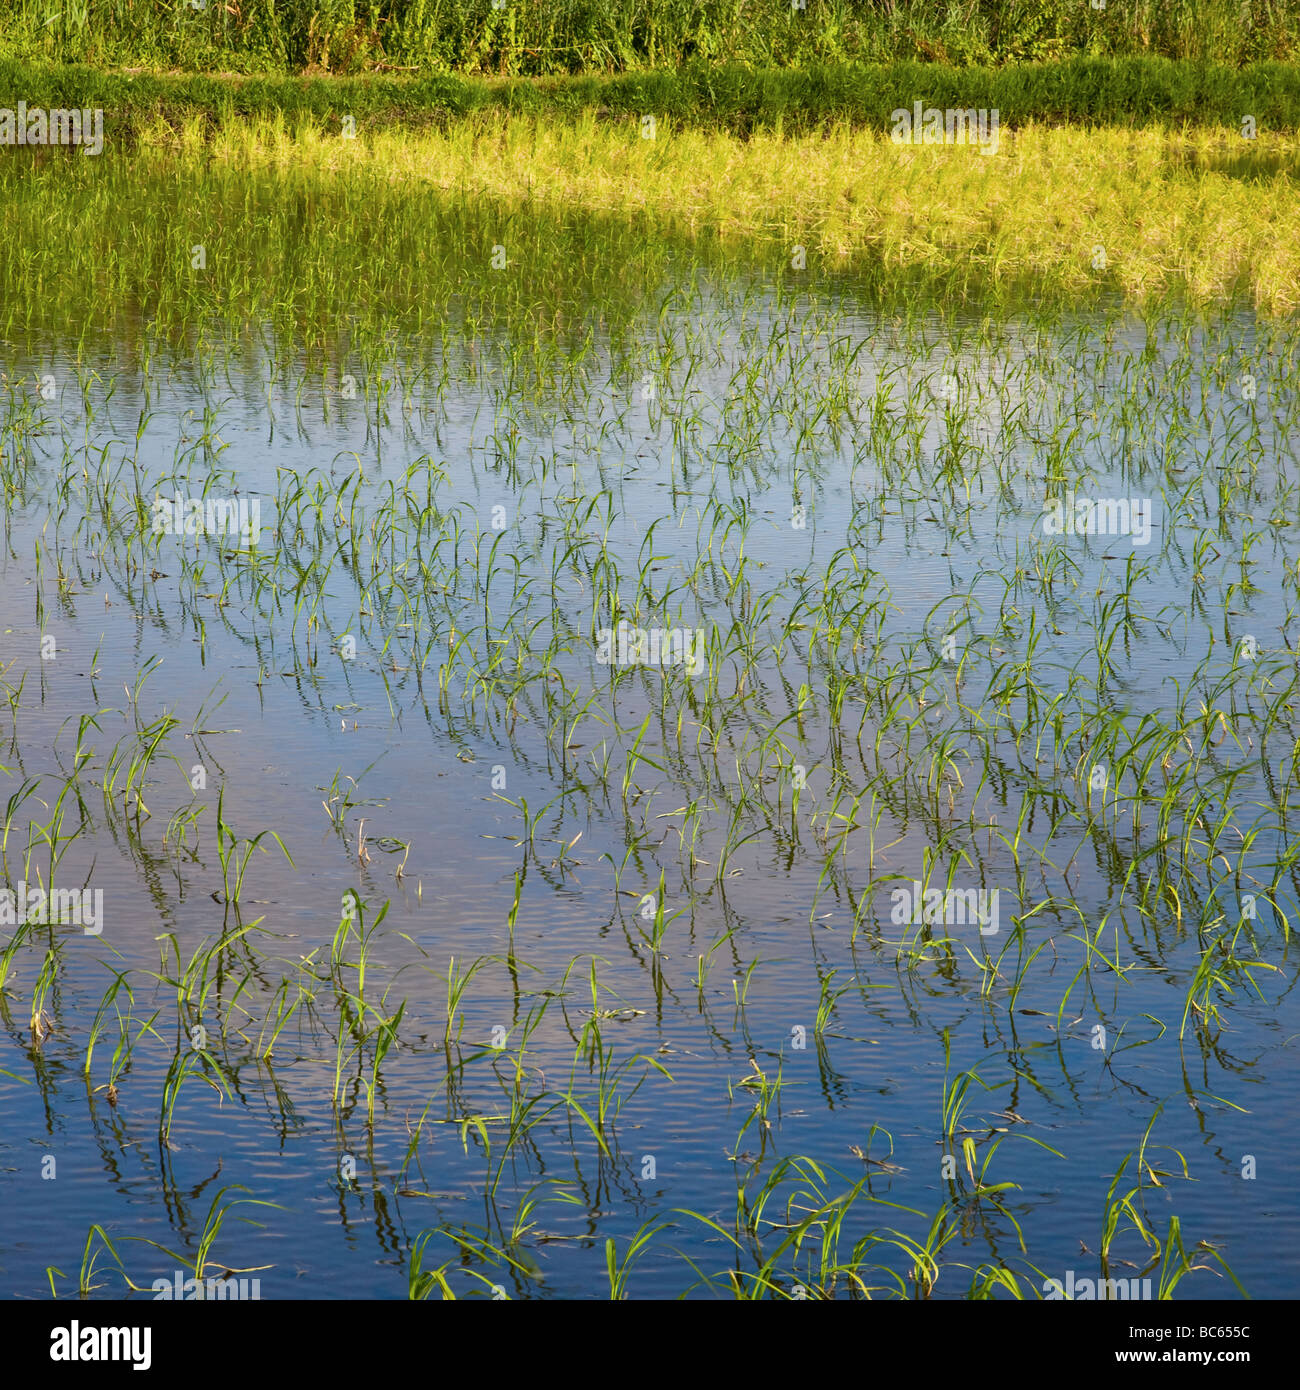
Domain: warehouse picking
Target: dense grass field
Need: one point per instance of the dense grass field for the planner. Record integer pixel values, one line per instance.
(540, 37)
(618, 681)
(1141, 214)
(1089, 92)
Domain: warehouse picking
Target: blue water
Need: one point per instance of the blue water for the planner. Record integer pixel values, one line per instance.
(926, 510)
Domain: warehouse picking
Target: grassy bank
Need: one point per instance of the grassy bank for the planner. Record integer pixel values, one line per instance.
(1054, 212)
(534, 37)
(1081, 91)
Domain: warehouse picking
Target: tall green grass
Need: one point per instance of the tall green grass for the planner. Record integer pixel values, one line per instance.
(1079, 91)
(538, 37)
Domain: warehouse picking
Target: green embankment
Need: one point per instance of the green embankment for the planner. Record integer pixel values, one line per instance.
(1128, 92)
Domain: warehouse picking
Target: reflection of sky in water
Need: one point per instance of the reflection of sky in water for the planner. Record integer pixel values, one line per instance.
(918, 506)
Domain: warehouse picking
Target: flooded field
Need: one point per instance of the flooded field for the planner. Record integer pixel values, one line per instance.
(554, 759)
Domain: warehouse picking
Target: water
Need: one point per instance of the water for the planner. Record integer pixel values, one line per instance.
(918, 442)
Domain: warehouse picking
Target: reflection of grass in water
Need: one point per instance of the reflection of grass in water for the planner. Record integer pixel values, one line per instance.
(196, 1264)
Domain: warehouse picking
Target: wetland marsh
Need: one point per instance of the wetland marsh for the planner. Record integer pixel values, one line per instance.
(611, 758)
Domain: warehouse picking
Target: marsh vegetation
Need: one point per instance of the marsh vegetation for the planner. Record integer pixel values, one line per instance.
(451, 945)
